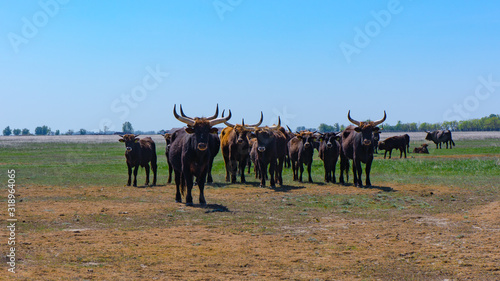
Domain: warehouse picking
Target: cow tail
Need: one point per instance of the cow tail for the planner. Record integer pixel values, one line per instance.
(452, 142)
(183, 185)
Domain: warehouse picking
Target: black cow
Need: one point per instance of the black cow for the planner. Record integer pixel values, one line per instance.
(329, 151)
(357, 144)
(421, 149)
(191, 152)
(301, 151)
(440, 136)
(168, 141)
(395, 142)
(268, 149)
(139, 152)
(376, 139)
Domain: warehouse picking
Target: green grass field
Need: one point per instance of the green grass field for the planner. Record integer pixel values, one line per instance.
(62, 164)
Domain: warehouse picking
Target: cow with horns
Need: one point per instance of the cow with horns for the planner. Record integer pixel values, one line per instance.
(357, 144)
(191, 152)
(139, 152)
(301, 151)
(329, 150)
(236, 148)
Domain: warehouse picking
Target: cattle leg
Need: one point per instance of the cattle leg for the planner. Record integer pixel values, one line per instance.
(129, 175)
(263, 172)
(295, 170)
(327, 172)
(404, 152)
(355, 167)
(201, 186)
(385, 154)
(301, 170)
(279, 171)
(146, 167)
(272, 169)
(136, 168)
(367, 172)
(178, 197)
(309, 172)
(390, 153)
(332, 168)
(243, 164)
(234, 170)
(169, 173)
(188, 177)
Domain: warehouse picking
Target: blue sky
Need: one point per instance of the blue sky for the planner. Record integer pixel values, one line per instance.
(72, 64)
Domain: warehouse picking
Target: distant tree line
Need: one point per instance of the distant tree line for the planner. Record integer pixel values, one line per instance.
(488, 123)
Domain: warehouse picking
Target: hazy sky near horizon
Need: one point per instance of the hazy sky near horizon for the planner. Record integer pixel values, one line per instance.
(72, 64)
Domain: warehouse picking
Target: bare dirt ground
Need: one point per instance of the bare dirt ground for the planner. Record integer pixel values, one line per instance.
(124, 233)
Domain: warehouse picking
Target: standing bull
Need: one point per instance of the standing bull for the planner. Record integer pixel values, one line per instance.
(440, 136)
(191, 152)
(357, 144)
(139, 152)
(395, 142)
(236, 148)
(301, 151)
(329, 151)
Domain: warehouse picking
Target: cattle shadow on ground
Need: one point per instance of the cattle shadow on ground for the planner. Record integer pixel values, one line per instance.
(382, 188)
(214, 208)
(287, 188)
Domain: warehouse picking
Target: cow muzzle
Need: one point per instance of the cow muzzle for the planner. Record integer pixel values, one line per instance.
(307, 145)
(367, 142)
(261, 149)
(129, 148)
(202, 146)
(329, 144)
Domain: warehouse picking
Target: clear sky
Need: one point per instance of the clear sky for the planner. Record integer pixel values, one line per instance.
(72, 64)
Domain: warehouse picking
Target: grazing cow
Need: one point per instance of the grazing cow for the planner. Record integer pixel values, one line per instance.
(235, 148)
(421, 149)
(440, 136)
(407, 140)
(191, 152)
(357, 144)
(301, 151)
(395, 142)
(139, 152)
(268, 149)
(329, 151)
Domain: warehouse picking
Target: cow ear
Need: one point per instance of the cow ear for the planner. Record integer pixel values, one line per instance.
(357, 129)
(214, 130)
(121, 140)
(252, 135)
(136, 140)
(189, 130)
(376, 129)
(337, 137)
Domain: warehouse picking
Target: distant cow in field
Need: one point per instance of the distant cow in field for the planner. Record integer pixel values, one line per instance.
(440, 136)
(421, 149)
(139, 152)
(407, 140)
(329, 151)
(376, 139)
(395, 142)
(357, 144)
(301, 151)
(191, 153)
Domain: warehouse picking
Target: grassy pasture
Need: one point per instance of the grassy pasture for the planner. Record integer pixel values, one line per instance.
(428, 217)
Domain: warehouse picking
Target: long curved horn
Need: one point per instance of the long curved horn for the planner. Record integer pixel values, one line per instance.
(290, 130)
(215, 115)
(220, 120)
(352, 120)
(276, 126)
(375, 123)
(183, 119)
(184, 115)
(227, 123)
(258, 123)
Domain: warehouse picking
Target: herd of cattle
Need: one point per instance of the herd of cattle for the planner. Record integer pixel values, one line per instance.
(191, 151)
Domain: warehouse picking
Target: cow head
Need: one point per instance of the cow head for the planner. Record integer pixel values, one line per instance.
(306, 137)
(129, 140)
(429, 136)
(366, 128)
(168, 139)
(265, 136)
(201, 127)
(329, 138)
(242, 131)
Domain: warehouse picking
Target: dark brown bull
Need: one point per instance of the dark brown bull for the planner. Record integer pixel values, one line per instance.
(357, 144)
(329, 151)
(139, 152)
(395, 142)
(236, 148)
(268, 149)
(407, 140)
(376, 139)
(440, 136)
(301, 151)
(168, 141)
(421, 149)
(191, 152)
